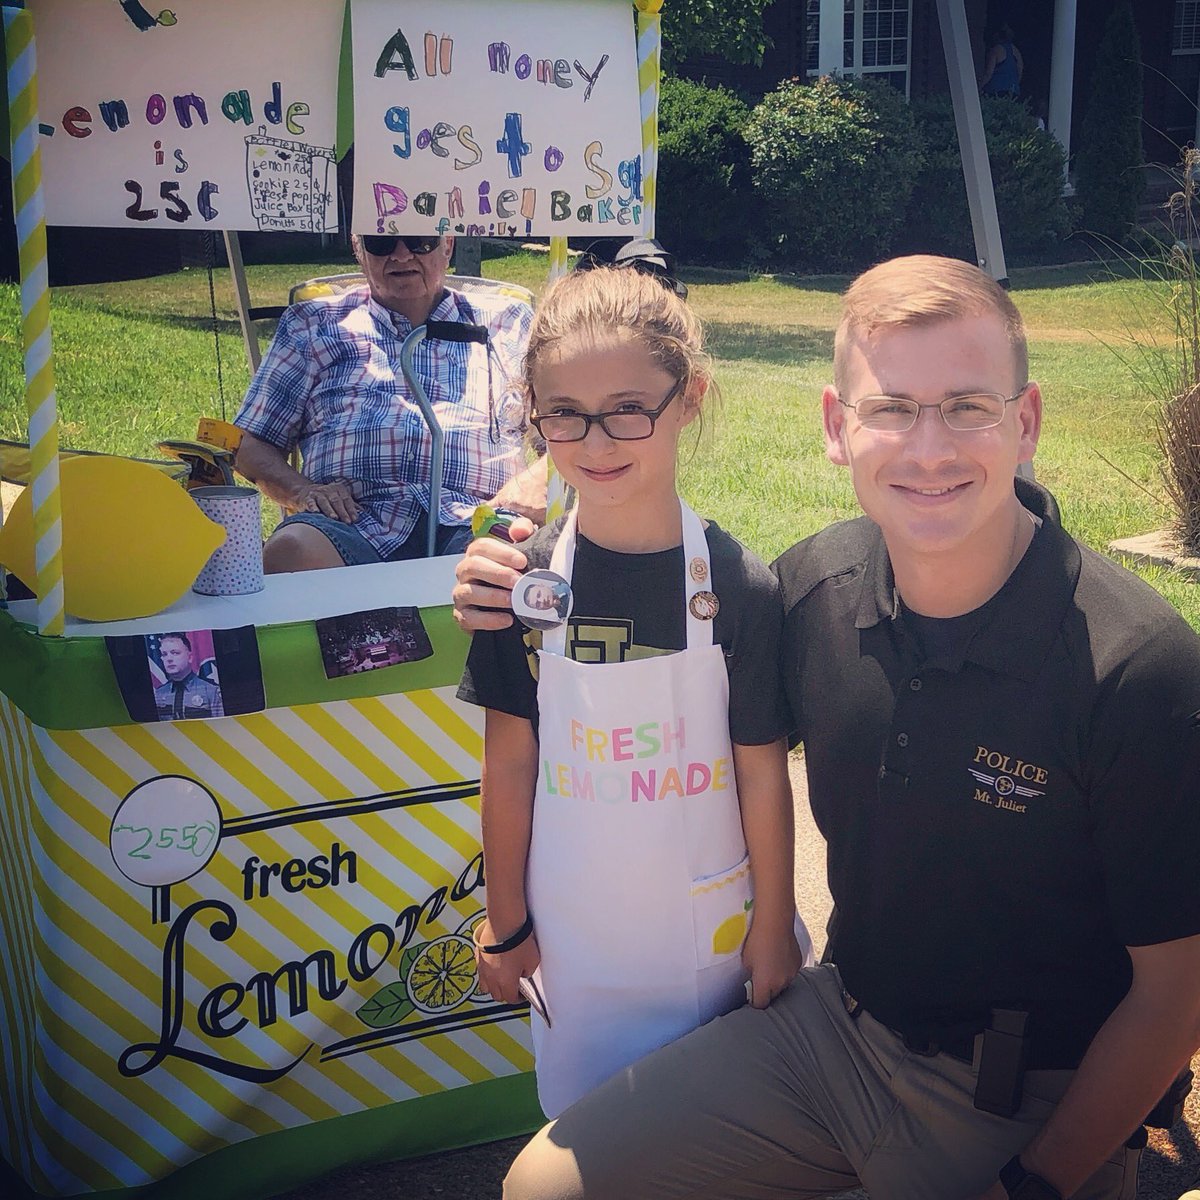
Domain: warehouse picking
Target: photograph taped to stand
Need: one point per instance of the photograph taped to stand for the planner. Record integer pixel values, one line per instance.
(372, 640)
(188, 674)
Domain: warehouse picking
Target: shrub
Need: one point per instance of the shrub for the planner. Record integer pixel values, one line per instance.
(1108, 165)
(1027, 175)
(834, 163)
(1169, 376)
(704, 191)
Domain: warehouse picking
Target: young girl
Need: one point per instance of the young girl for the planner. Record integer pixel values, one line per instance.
(633, 753)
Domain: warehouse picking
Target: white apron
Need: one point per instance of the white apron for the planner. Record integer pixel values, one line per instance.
(638, 878)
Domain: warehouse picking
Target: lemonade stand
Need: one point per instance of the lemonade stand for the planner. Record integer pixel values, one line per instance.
(237, 945)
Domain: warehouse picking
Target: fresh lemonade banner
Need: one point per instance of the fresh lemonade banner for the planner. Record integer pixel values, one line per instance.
(486, 118)
(208, 114)
(214, 931)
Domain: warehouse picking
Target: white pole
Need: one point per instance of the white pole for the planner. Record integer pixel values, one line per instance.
(1062, 73)
(241, 291)
(829, 48)
(972, 143)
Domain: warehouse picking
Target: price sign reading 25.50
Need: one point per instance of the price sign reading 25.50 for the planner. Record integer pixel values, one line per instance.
(165, 831)
(193, 837)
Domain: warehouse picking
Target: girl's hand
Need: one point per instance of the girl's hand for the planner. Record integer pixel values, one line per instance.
(486, 575)
(771, 957)
(500, 973)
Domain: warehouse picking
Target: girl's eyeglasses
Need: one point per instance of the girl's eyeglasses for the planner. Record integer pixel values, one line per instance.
(381, 245)
(622, 425)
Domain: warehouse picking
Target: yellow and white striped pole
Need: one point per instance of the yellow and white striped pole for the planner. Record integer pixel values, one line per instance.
(40, 402)
(557, 501)
(649, 50)
(558, 257)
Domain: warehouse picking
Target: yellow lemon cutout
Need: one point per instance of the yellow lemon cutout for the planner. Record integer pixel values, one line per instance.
(730, 934)
(133, 539)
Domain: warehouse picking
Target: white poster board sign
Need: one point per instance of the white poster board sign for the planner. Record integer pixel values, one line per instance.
(207, 114)
(497, 120)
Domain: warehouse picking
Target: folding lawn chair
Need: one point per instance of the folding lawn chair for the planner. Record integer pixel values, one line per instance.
(336, 285)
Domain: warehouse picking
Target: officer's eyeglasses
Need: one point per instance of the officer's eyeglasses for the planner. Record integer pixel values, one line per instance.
(963, 414)
(625, 424)
(381, 245)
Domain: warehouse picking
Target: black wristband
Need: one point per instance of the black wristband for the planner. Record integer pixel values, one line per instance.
(509, 943)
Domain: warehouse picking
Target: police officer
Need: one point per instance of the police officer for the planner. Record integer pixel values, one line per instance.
(185, 695)
(1002, 739)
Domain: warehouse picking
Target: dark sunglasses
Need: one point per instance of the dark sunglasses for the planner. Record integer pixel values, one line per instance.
(380, 245)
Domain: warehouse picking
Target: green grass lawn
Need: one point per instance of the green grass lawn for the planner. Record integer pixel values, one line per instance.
(136, 361)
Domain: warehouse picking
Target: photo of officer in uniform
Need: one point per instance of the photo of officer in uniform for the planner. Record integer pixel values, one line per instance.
(185, 695)
(543, 600)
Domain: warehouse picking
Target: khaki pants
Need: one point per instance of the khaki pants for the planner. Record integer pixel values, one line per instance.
(795, 1101)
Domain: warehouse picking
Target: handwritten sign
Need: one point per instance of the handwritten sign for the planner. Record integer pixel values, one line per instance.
(208, 114)
(165, 831)
(499, 120)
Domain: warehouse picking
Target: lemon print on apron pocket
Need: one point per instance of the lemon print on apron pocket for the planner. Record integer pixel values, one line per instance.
(731, 933)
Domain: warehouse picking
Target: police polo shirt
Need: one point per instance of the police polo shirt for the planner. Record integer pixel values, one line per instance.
(1003, 819)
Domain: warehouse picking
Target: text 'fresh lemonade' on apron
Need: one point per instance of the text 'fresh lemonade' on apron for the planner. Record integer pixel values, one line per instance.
(638, 879)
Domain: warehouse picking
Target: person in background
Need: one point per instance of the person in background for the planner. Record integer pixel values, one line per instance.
(331, 384)
(1003, 67)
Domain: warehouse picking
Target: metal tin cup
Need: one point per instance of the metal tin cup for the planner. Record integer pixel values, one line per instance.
(235, 568)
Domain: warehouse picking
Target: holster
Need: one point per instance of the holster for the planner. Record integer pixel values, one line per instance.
(1001, 1052)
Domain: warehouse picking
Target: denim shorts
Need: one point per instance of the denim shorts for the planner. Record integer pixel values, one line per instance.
(356, 551)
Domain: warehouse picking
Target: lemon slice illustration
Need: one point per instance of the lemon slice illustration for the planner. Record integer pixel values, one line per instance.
(467, 929)
(730, 934)
(442, 975)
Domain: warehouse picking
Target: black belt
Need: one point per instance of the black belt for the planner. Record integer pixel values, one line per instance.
(960, 1046)
(958, 1043)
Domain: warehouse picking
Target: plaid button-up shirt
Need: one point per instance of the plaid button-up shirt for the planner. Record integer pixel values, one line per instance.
(331, 384)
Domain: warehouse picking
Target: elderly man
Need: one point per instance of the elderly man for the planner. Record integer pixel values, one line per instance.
(1002, 739)
(331, 383)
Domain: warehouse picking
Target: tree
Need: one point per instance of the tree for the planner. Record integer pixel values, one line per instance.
(835, 163)
(732, 29)
(1108, 166)
(704, 203)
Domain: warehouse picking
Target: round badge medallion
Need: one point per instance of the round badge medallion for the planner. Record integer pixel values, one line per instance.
(704, 606)
(542, 599)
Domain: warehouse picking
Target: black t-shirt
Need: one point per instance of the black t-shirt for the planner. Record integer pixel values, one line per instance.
(630, 606)
(1004, 820)
(939, 638)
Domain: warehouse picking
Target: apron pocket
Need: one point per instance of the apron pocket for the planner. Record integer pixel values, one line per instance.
(721, 905)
